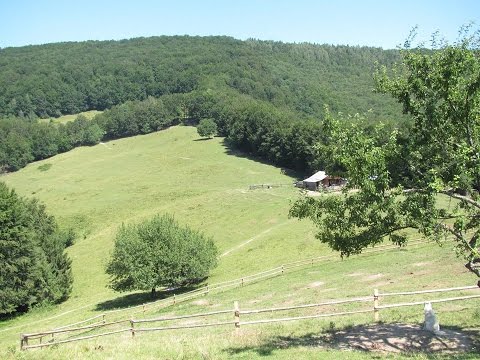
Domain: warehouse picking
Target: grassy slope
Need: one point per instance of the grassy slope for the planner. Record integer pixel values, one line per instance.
(94, 189)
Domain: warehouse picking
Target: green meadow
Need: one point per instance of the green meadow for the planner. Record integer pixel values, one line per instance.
(67, 118)
(205, 184)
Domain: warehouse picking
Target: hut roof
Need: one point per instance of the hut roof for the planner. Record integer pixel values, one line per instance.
(318, 176)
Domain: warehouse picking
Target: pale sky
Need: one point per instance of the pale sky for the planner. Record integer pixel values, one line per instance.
(384, 23)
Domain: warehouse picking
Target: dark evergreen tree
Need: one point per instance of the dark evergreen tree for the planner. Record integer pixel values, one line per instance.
(35, 268)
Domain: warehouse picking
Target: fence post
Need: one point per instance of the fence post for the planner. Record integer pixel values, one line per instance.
(283, 269)
(312, 262)
(132, 327)
(242, 282)
(174, 299)
(376, 314)
(236, 309)
(23, 341)
(103, 318)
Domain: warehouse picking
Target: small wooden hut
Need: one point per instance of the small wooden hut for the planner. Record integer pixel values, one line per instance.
(321, 179)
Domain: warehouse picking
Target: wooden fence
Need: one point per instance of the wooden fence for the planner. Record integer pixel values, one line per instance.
(269, 186)
(378, 295)
(217, 287)
(230, 284)
(237, 315)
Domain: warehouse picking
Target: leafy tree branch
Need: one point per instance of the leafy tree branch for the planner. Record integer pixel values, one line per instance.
(398, 180)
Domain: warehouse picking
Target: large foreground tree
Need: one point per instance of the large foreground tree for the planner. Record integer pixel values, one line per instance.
(399, 181)
(34, 268)
(159, 253)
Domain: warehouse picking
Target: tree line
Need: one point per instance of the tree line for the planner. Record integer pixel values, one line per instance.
(25, 140)
(278, 135)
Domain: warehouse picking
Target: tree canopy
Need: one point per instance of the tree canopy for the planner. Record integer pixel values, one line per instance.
(34, 267)
(159, 253)
(207, 128)
(398, 180)
(68, 78)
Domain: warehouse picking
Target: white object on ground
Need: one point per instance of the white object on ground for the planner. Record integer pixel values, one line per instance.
(431, 321)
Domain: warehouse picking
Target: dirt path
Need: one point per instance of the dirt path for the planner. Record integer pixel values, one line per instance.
(254, 238)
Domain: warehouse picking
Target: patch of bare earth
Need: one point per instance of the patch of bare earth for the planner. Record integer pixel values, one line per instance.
(201, 302)
(422, 264)
(315, 284)
(402, 338)
(261, 299)
(355, 274)
(372, 277)
(377, 339)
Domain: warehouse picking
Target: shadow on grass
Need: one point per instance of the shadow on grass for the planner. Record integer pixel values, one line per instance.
(202, 139)
(141, 298)
(232, 151)
(376, 339)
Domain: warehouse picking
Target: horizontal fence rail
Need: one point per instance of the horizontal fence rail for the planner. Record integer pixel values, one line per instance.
(430, 301)
(266, 321)
(25, 346)
(82, 322)
(192, 326)
(334, 302)
(182, 317)
(269, 186)
(429, 291)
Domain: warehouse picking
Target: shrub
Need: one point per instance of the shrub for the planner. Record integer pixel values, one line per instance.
(207, 128)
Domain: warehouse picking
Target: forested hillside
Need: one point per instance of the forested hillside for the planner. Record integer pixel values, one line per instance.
(65, 78)
(267, 98)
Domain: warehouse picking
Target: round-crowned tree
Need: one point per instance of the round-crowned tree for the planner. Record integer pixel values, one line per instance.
(34, 267)
(207, 128)
(159, 253)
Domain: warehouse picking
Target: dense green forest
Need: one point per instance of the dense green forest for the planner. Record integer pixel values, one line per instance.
(266, 97)
(65, 78)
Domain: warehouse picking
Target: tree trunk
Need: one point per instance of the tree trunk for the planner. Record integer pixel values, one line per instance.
(153, 293)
